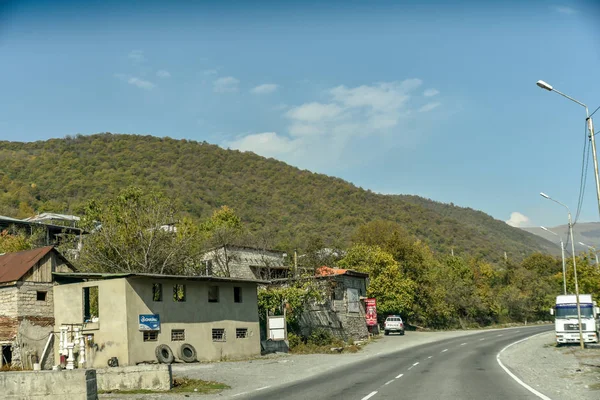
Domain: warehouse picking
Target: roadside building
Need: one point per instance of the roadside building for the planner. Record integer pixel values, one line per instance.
(246, 262)
(139, 318)
(26, 303)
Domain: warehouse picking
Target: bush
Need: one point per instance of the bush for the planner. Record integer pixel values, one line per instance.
(294, 340)
(320, 337)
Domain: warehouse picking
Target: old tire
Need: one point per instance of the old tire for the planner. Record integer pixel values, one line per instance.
(187, 353)
(164, 354)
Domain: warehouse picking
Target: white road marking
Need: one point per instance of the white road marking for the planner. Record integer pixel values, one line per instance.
(369, 396)
(462, 344)
(499, 335)
(379, 353)
(520, 382)
(390, 381)
(415, 364)
(517, 331)
(481, 339)
(443, 350)
(399, 376)
(239, 394)
(262, 388)
(429, 357)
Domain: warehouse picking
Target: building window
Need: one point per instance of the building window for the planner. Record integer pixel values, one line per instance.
(237, 294)
(150, 336)
(157, 291)
(41, 296)
(177, 335)
(179, 293)
(213, 294)
(90, 304)
(241, 333)
(218, 335)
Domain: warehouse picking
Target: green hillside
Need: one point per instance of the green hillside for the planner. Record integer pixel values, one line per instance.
(61, 175)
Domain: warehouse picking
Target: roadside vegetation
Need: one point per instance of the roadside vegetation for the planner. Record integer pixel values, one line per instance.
(180, 385)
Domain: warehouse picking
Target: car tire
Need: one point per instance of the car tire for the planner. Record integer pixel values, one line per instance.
(402, 333)
(187, 353)
(164, 354)
(387, 333)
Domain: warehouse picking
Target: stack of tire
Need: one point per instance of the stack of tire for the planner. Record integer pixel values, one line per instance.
(164, 354)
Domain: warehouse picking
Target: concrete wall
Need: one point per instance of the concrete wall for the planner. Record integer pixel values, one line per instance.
(196, 316)
(108, 336)
(242, 261)
(150, 377)
(49, 385)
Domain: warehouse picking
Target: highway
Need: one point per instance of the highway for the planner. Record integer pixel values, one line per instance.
(463, 368)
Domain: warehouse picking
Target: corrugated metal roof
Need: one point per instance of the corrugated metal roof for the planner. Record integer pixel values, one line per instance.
(14, 265)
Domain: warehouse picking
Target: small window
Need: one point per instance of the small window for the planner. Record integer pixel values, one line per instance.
(218, 335)
(237, 294)
(177, 335)
(41, 296)
(90, 304)
(157, 291)
(179, 293)
(150, 336)
(213, 294)
(241, 333)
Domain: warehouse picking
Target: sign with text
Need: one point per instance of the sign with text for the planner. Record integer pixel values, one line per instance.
(371, 312)
(149, 322)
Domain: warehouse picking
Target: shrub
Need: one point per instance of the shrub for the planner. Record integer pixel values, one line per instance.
(294, 340)
(320, 337)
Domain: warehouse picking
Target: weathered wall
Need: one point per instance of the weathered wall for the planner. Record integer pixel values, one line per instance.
(149, 377)
(49, 385)
(197, 316)
(242, 261)
(8, 313)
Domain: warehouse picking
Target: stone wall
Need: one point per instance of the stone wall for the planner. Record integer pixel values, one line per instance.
(49, 385)
(29, 306)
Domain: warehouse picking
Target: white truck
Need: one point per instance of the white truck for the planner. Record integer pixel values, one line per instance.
(566, 323)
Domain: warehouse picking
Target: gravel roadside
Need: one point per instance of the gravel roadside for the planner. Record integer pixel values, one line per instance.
(561, 373)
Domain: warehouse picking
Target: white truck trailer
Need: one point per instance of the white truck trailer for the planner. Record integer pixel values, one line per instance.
(566, 323)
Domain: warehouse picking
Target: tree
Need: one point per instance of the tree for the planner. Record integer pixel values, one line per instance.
(14, 239)
(138, 232)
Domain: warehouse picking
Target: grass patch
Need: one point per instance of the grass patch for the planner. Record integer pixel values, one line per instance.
(180, 385)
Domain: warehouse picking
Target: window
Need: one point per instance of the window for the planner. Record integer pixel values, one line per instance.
(218, 335)
(179, 293)
(177, 335)
(237, 294)
(150, 336)
(241, 333)
(213, 294)
(90, 304)
(157, 291)
(41, 296)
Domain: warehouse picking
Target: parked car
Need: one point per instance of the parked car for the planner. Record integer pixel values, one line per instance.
(393, 323)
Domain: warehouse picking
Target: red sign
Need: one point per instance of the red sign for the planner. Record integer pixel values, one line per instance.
(371, 312)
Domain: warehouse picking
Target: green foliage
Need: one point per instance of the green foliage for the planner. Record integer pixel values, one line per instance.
(294, 340)
(62, 175)
(293, 298)
(13, 239)
(320, 337)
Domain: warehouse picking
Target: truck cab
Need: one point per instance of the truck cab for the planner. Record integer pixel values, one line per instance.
(566, 323)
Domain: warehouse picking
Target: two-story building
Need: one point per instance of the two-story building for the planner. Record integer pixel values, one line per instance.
(245, 262)
(149, 317)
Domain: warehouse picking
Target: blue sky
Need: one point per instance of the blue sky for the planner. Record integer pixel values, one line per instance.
(425, 98)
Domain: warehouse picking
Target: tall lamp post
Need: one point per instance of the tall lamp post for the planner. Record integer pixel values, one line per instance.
(590, 126)
(544, 195)
(562, 254)
(593, 249)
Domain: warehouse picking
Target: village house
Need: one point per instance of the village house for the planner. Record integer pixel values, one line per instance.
(133, 318)
(245, 262)
(26, 304)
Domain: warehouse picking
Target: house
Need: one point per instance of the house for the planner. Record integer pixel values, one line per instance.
(245, 262)
(341, 310)
(26, 303)
(53, 233)
(137, 318)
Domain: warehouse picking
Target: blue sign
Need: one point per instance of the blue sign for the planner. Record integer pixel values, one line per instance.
(149, 322)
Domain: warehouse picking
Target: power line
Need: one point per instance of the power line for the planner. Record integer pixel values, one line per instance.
(584, 167)
(595, 111)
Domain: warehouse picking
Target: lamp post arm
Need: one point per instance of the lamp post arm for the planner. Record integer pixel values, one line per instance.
(572, 99)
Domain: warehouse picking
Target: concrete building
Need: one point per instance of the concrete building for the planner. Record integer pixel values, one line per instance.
(26, 303)
(128, 316)
(245, 262)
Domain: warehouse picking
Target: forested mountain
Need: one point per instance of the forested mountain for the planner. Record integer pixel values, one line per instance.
(296, 206)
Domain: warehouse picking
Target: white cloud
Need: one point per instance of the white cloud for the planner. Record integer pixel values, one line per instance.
(137, 56)
(141, 83)
(565, 10)
(163, 73)
(314, 112)
(517, 220)
(267, 144)
(431, 92)
(265, 88)
(208, 72)
(429, 107)
(227, 84)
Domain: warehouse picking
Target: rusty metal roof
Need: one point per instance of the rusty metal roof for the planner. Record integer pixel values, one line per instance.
(14, 265)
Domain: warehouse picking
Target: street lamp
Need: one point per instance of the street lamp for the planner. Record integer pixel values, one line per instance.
(590, 126)
(593, 249)
(562, 254)
(574, 267)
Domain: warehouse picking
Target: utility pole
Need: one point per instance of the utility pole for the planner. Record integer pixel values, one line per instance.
(295, 263)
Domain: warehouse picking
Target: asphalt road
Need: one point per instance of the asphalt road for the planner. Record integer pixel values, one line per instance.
(463, 368)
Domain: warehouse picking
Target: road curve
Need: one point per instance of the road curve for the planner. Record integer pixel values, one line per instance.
(462, 368)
